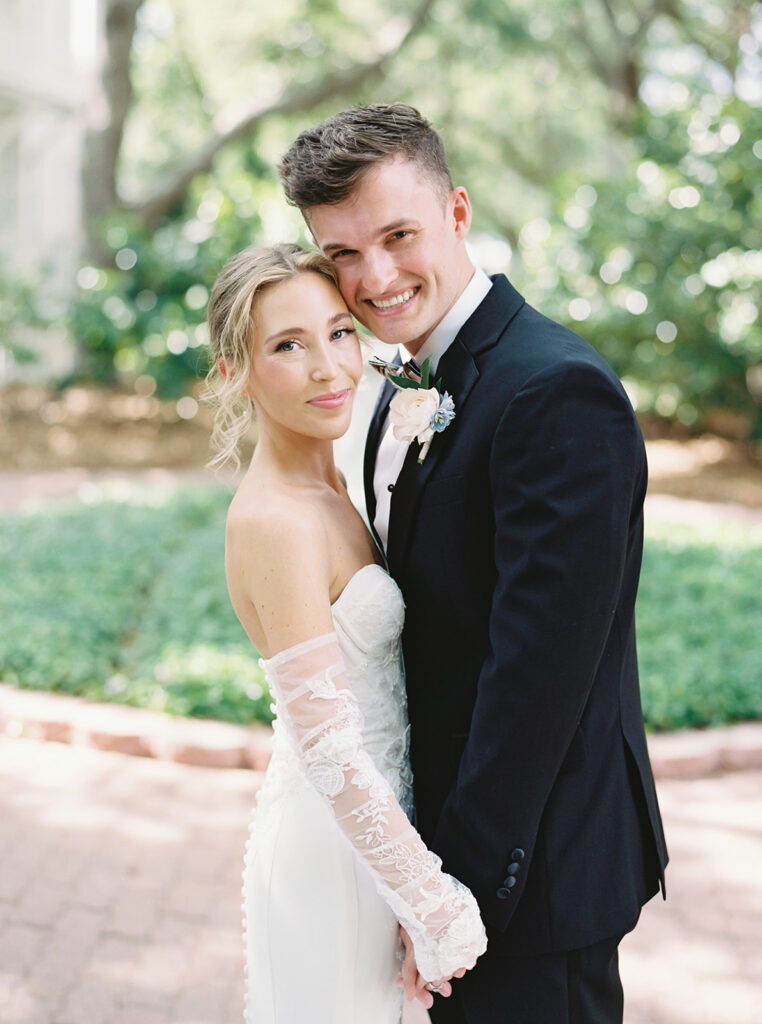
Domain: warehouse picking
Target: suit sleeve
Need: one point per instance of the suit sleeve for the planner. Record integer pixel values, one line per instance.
(567, 464)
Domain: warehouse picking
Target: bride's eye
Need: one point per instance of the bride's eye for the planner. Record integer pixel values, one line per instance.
(342, 332)
(286, 346)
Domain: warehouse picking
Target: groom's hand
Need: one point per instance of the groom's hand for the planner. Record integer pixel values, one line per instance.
(412, 982)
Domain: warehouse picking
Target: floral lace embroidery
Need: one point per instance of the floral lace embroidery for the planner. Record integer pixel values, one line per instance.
(324, 722)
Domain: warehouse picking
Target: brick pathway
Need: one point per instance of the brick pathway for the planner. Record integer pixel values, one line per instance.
(120, 887)
(120, 894)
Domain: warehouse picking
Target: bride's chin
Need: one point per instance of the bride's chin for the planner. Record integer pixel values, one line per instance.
(332, 432)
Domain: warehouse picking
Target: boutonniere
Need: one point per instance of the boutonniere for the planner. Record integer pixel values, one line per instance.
(418, 412)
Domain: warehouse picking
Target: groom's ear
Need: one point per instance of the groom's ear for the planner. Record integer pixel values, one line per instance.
(460, 211)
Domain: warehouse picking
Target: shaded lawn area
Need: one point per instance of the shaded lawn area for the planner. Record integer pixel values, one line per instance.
(125, 600)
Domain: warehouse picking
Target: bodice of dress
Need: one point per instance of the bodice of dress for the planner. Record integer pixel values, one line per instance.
(368, 617)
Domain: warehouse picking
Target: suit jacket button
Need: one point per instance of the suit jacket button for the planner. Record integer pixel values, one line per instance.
(390, 488)
(513, 869)
(503, 894)
(509, 882)
(518, 854)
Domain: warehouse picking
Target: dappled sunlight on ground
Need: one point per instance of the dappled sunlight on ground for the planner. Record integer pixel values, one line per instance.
(120, 894)
(695, 958)
(119, 887)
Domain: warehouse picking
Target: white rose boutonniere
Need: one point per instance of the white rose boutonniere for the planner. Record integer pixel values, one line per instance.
(411, 412)
(418, 411)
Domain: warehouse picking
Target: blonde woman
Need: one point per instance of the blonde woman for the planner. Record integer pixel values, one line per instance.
(333, 864)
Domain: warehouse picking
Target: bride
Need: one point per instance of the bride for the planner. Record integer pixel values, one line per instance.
(334, 870)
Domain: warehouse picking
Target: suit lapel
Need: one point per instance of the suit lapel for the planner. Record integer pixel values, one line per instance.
(371, 448)
(459, 375)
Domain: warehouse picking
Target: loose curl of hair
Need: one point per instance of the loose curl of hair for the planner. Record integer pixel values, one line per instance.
(240, 282)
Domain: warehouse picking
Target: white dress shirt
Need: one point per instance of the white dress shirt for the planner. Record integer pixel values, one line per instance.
(391, 452)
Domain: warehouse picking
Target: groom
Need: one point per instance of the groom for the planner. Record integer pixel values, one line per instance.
(517, 545)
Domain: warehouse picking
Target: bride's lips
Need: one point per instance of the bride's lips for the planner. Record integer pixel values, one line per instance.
(331, 400)
(393, 304)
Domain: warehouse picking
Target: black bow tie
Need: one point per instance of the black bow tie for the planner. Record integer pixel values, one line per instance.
(410, 369)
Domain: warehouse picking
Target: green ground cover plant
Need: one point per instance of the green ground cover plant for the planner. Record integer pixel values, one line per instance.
(123, 598)
(699, 615)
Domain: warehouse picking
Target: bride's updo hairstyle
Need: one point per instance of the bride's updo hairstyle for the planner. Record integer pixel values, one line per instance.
(231, 305)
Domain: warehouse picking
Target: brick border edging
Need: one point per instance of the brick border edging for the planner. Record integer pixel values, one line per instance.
(51, 716)
(128, 730)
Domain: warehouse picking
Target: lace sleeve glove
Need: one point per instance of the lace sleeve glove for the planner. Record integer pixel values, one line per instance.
(325, 722)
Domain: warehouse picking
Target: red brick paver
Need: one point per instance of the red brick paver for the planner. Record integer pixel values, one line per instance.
(120, 894)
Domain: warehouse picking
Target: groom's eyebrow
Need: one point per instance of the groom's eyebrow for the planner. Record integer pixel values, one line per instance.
(394, 226)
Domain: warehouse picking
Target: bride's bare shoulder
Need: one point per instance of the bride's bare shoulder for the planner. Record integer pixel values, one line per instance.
(274, 523)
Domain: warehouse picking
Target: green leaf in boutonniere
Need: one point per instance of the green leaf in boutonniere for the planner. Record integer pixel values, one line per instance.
(425, 370)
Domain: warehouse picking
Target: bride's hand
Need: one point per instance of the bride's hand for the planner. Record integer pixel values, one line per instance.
(417, 987)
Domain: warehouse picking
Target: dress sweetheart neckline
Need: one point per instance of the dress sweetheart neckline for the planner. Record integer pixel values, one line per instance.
(353, 577)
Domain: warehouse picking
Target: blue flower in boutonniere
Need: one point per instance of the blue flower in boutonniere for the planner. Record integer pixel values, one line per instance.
(418, 411)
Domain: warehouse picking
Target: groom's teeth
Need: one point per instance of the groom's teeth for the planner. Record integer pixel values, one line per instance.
(396, 301)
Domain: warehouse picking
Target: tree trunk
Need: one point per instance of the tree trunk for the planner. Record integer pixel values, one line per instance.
(106, 111)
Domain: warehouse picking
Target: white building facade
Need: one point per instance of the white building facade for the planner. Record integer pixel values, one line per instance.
(47, 50)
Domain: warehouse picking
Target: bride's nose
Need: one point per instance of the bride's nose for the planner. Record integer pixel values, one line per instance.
(325, 364)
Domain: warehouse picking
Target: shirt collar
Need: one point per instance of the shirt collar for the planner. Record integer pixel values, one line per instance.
(446, 330)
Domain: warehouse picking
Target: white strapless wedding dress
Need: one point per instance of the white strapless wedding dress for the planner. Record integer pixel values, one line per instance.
(332, 864)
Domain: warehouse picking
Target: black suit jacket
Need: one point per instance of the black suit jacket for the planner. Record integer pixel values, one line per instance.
(517, 545)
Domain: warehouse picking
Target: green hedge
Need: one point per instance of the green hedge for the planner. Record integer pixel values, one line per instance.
(699, 615)
(125, 600)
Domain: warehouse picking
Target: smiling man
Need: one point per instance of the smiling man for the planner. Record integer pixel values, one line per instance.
(399, 274)
(517, 545)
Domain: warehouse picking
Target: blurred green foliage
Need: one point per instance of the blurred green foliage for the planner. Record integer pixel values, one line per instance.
(23, 305)
(661, 269)
(698, 614)
(613, 154)
(146, 315)
(126, 601)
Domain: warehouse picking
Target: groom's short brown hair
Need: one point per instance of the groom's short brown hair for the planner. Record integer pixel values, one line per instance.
(326, 163)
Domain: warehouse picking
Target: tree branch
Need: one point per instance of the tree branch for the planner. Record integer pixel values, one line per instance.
(601, 68)
(739, 15)
(535, 172)
(611, 17)
(173, 187)
(621, 72)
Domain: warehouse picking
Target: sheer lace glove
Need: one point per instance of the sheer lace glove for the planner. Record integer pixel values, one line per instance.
(323, 718)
